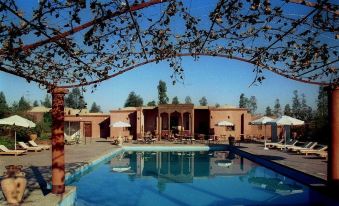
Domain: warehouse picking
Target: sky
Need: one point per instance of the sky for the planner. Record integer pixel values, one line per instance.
(219, 80)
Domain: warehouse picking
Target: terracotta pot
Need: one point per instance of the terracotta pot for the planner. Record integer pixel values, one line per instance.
(33, 137)
(13, 184)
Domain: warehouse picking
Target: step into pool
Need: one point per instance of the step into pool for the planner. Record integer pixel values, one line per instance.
(196, 178)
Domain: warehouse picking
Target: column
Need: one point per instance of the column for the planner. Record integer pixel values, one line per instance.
(169, 122)
(160, 126)
(157, 125)
(333, 152)
(182, 122)
(58, 155)
(192, 122)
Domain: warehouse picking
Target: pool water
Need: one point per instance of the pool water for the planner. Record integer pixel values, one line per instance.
(188, 178)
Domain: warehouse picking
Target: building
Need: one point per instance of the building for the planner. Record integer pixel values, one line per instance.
(161, 120)
(185, 118)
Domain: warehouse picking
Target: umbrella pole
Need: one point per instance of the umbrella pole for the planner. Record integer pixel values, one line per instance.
(15, 140)
(265, 148)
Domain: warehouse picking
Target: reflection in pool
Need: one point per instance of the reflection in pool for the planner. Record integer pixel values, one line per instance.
(188, 178)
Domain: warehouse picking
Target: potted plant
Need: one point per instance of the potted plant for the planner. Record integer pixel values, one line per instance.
(13, 184)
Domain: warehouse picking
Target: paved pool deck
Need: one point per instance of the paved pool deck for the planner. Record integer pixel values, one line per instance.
(37, 165)
(311, 164)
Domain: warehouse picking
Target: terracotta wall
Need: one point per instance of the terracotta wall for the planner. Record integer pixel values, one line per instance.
(128, 116)
(234, 116)
(95, 120)
(36, 116)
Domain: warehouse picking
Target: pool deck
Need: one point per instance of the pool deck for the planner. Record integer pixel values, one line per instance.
(311, 164)
(37, 165)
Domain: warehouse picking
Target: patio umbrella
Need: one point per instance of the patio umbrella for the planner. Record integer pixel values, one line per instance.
(262, 121)
(121, 125)
(286, 121)
(16, 120)
(225, 124)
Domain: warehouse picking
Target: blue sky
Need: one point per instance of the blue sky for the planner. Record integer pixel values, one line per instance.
(220, 80)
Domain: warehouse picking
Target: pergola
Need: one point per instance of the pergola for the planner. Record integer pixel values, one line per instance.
(76, 43)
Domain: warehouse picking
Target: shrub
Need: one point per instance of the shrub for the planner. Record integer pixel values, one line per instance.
(7, 142)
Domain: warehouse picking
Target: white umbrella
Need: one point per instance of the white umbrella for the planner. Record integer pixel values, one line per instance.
(286, 121)
(16, 120)
(120, 124)
(262, 121)
(225, 123)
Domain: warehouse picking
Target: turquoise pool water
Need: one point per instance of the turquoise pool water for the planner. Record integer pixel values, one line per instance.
(189, 178)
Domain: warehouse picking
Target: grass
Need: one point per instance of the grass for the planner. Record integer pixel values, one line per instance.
(7, 142)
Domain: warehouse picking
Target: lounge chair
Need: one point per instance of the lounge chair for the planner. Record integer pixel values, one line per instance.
(28, 148)
(273, 144)
(322, 154)
(5, 151)
(294, 147)
(71, 140)
(33, 144)
(283, 146)
(315, 150)
(310, 146)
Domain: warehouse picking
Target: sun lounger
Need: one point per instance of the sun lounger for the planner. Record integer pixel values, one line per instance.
(26, 147)
(294, 147)
(310, 146)
(283, 146)
(315, 150)
(323, 154)
(272, 144)
(5, 151)
(71, 139)
(33, 144)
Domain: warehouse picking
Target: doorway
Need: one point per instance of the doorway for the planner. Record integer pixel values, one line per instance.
(88, 129)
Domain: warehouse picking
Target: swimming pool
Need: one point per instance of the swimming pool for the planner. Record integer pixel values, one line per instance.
(188, 178)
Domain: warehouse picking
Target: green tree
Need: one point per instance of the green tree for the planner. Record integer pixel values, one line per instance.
(47, 101)
(306, 111)
(203, 101)
(296, 105)
(95, 108)
(277, 108)
(322, 104)
(268, 111)
(162, 93)
(175, 100)
(217, 105)
(4, 110)
(321, 116)
(252, 104)
(188, 100)
(152, 103)
(133, 100)
(287, 110)
(23, 105)
(75, 99)
(35, 103)
(243, 101)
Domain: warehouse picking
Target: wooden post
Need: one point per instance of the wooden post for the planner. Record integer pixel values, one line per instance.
(58, 157)
(333, 152)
